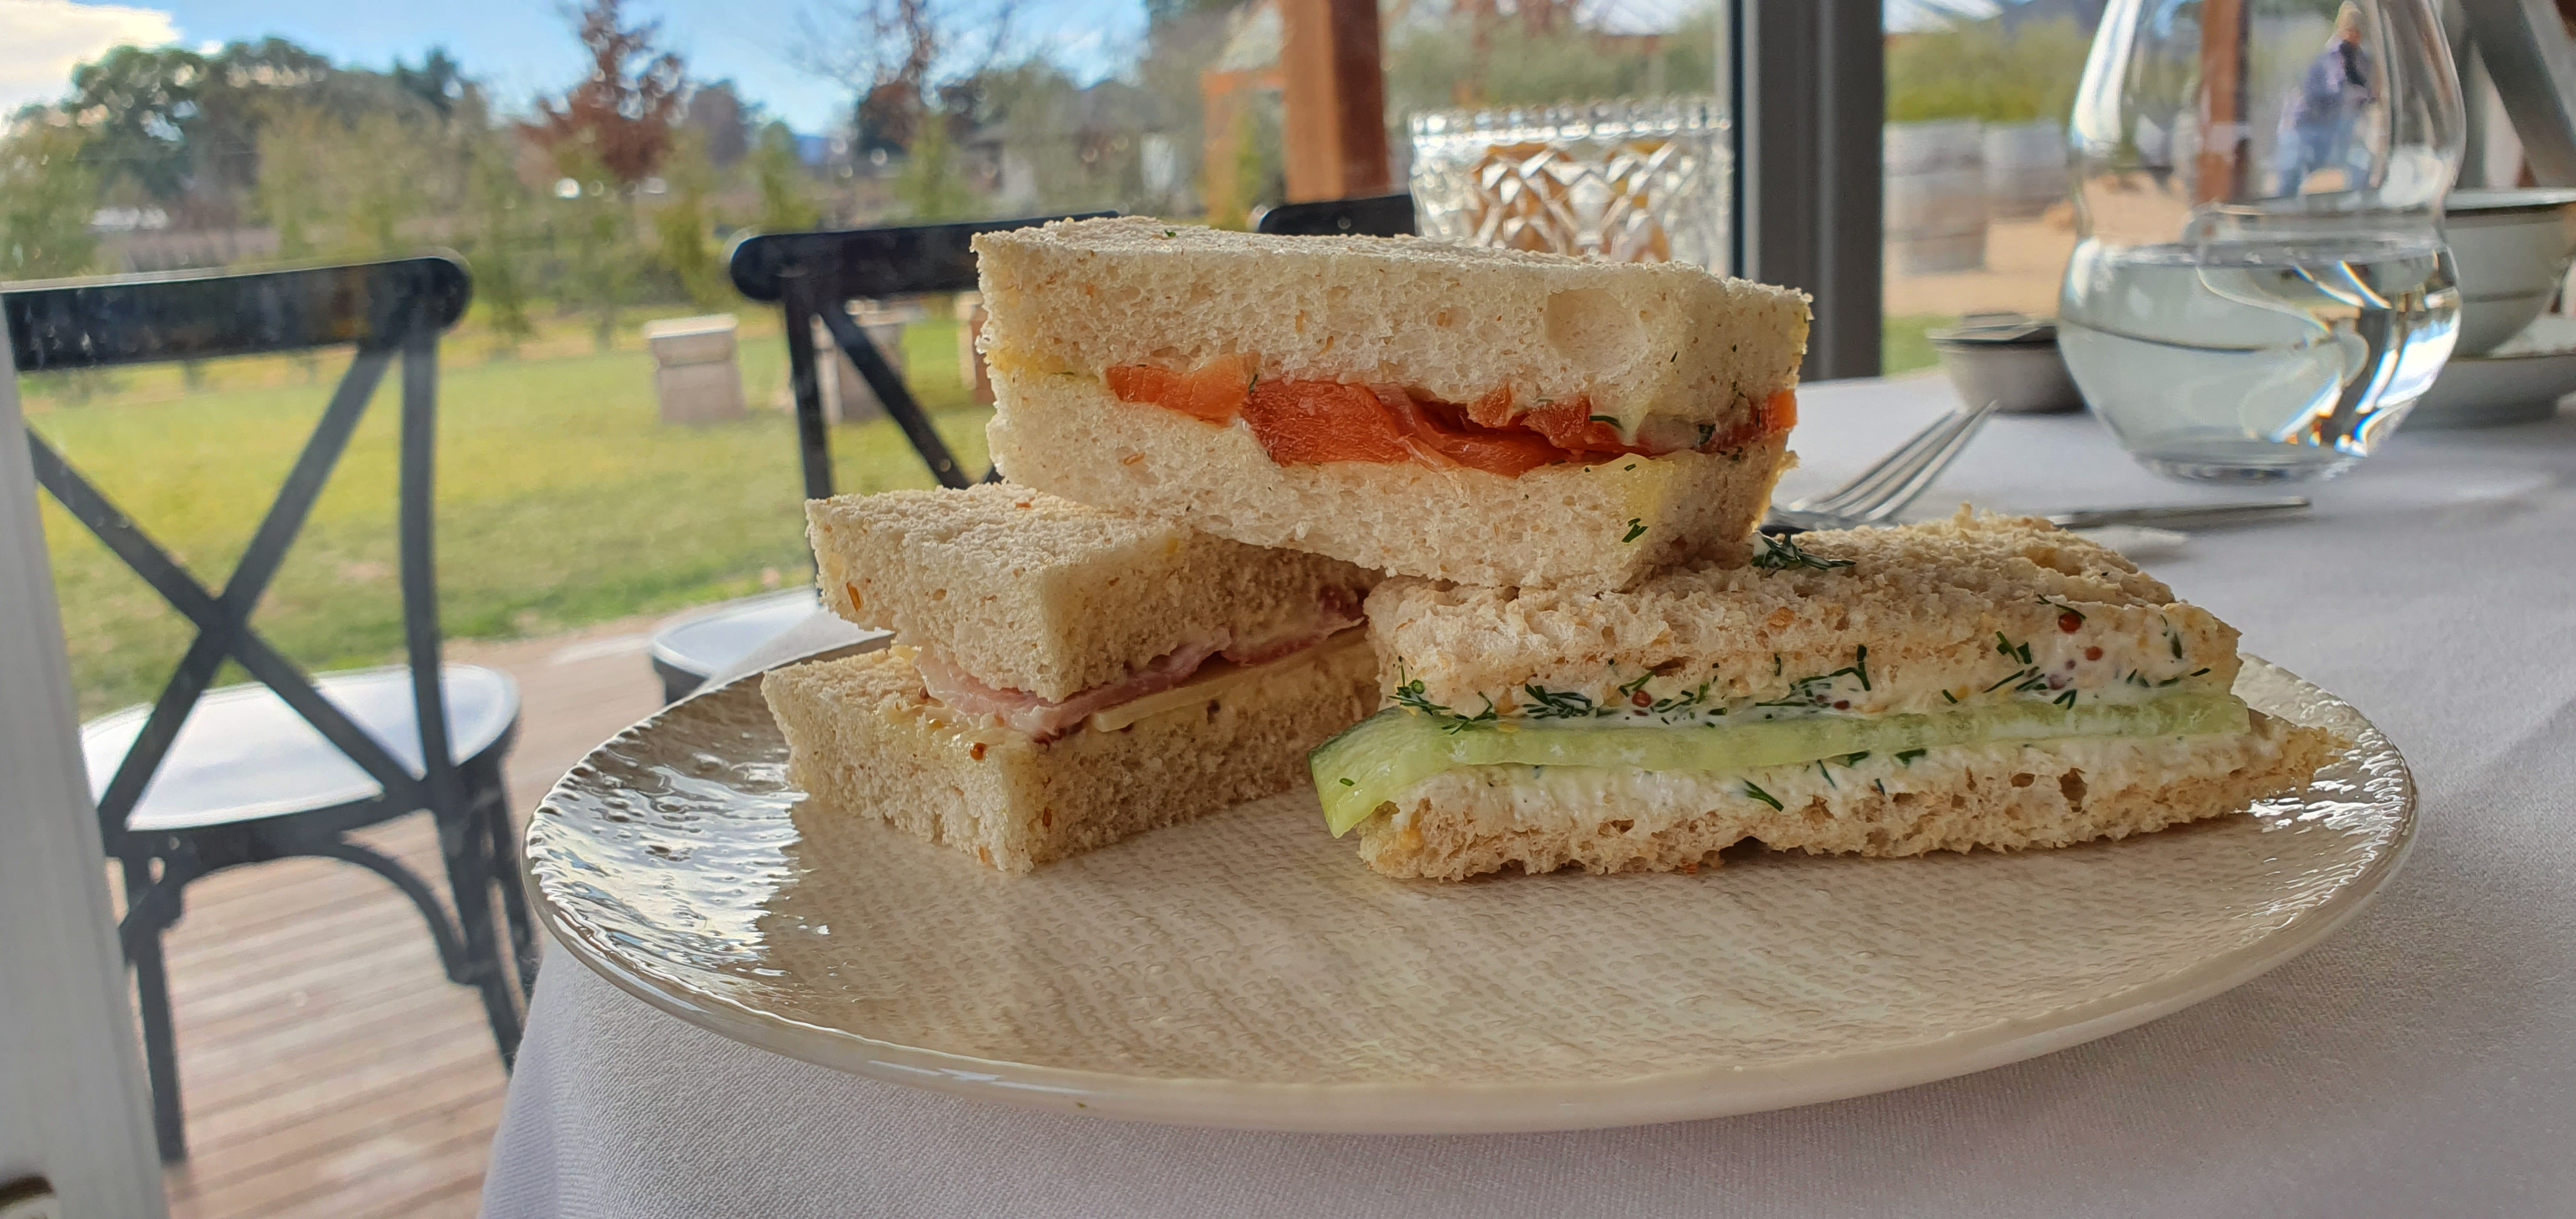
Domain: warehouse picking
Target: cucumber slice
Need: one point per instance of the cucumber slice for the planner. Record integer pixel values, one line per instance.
(1381, 757)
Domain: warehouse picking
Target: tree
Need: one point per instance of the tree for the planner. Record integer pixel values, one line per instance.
(621, 116)
(684, 227)
(717, 114)
(775, 169)
(904, 62)
(932, 185)
(607, 135)
(500, 207)
(47, 193)
(1541, 54)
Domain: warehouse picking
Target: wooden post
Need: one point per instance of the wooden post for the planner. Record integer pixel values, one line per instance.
(1336, 100)
(2224, 139)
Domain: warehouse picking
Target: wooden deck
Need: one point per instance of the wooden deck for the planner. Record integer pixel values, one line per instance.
(328, 1066)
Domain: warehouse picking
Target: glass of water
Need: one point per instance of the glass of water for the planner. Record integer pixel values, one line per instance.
(2260, 288)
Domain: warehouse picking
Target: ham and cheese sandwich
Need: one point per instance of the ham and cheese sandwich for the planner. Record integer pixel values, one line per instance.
(1981, 682)
(1487, 416)
(1062, 676)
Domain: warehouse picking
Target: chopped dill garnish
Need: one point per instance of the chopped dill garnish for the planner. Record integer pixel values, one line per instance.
(1410, 696)
(1612, 420)
(2063, 609)
(1782, 554)
(1751, 789)
(1630, 690)
(2020, 652)
(1906, 756)
(1854, 759)
(2066, 700)
(1561, 704)
(1949, 696)
(1349, 783)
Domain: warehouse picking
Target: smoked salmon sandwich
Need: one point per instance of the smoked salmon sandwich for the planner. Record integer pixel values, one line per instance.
(1062, 677)
(1486, 416)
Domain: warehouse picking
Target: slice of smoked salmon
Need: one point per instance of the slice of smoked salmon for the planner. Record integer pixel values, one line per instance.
(1568, 424)
(1213, 391)
(1306, 423)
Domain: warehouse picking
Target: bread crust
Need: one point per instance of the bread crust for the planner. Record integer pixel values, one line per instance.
(866, 740)
(2011, 798)
(1453, 322)
(1590, 527)
(1928, 601)
(1031, 592)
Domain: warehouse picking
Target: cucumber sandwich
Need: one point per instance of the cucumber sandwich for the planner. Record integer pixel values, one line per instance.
(1979, 682)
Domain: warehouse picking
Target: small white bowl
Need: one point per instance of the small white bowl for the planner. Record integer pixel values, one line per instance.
(2512, 248)
(2011, 361)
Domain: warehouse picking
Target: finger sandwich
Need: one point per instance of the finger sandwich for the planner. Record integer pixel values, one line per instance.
(1449, 412)
(1979, 682)
(1062, 677)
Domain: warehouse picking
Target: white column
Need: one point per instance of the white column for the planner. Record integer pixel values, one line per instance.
(73, 1105)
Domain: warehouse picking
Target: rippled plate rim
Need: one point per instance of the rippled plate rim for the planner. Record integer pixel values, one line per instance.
(1477, 1108)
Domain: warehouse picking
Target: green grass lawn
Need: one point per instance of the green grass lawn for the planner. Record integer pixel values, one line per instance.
(562, 500)
(1903, 346)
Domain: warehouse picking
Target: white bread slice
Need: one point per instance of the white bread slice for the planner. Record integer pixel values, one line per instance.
(1030, 592)
(2011, 796)
(1451, 322)
(1928, 602)
(865, 740)
(1600, 526)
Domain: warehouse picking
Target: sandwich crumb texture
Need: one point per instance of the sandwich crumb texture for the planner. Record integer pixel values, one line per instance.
(1031, 592)
(1930, 603)
(1452, 322)
(1596, 527)
(866, 740)
(2006, 797)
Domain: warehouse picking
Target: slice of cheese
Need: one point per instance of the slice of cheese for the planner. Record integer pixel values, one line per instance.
(1216, 678)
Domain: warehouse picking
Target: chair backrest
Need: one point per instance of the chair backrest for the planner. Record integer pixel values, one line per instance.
(816, 275)
(386, 309)
(1373, 216)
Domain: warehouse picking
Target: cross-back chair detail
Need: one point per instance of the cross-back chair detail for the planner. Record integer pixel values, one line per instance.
(816, 275)
(393, 312)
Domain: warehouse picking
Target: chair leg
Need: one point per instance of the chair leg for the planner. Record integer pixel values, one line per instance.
(467, 844)
(505, 873)
(152, 996)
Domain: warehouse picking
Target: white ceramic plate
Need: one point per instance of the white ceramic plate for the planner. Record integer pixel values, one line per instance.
(1246, 970)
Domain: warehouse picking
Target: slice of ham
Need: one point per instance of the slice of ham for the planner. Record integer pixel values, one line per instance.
(1024, 712)
(1337, 609)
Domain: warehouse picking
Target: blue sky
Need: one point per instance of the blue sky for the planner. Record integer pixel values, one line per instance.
(519, 47)
(523, 47)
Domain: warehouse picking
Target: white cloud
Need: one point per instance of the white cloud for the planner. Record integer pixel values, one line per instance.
(41, 41)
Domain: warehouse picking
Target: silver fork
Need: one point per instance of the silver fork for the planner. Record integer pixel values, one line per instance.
(1883, 490)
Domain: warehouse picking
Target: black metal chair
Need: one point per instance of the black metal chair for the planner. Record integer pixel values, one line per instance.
(1373, 216)
(210, 779)
(817, 275)
(810, 276)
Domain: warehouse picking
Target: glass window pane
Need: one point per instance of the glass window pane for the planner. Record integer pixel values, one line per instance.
(1975, 211)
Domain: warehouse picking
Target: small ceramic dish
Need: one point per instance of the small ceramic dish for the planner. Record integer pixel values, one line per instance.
(2512, 248)
(2009, 359)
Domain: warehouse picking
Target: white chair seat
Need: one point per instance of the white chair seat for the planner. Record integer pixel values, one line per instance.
(243, 754)
(713, 638)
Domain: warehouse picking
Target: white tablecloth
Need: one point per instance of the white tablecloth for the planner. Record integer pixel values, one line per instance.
(2420, 1062)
